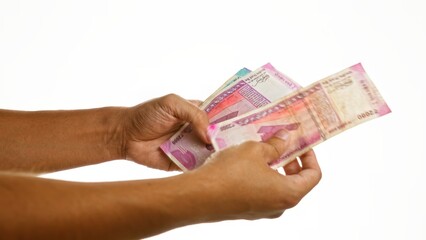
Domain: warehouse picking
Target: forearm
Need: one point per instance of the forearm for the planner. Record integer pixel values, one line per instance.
(44, 141)
(39, 208)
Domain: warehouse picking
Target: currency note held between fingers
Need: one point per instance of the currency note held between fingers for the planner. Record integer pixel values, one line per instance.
(181, 156)
(311, 115)
(241, 73)
(234, 98)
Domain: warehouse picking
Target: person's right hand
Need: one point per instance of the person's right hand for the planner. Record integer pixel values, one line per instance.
(249, 188)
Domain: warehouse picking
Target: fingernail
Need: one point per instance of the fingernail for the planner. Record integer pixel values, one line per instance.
(283, 134)
(207, 139)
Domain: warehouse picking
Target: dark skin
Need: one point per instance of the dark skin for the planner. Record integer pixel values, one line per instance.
(46, 141)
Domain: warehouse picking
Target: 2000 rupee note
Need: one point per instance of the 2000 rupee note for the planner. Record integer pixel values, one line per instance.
(311, 115)
(239, 95)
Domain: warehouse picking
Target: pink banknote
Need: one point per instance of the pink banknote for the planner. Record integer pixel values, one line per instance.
(311, 115)
(241, 94)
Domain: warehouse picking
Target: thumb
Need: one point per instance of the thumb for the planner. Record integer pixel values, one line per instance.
(276, 145)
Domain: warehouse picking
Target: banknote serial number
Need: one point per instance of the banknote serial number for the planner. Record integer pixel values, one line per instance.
(177, 139)
(227, 126)
(367, 114)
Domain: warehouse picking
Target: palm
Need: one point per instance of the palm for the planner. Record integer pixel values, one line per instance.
(151, 124)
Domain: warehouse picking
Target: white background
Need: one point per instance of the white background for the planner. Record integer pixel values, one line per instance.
(84, 54)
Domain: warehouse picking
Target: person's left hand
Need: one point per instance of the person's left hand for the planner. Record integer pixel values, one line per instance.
(149, 124)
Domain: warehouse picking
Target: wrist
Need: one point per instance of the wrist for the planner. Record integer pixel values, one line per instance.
(114, 140)
(220, 197)
(205, 198)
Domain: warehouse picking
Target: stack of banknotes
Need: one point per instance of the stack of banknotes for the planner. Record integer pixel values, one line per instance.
(254, 105)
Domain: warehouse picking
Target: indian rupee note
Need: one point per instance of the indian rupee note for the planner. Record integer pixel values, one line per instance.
(238, 96)
(241, 73)
(311, 115)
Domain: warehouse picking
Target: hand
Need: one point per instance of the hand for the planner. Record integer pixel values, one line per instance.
(246, 185)
(151, 123)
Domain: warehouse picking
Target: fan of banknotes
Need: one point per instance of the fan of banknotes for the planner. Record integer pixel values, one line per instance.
(254, 105)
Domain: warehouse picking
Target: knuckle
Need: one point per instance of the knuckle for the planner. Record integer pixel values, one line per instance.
(271, 151)
(169, 99)
(276, 214)
(292, 200)
(199, 114)
(319, 177)
(312, 180)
